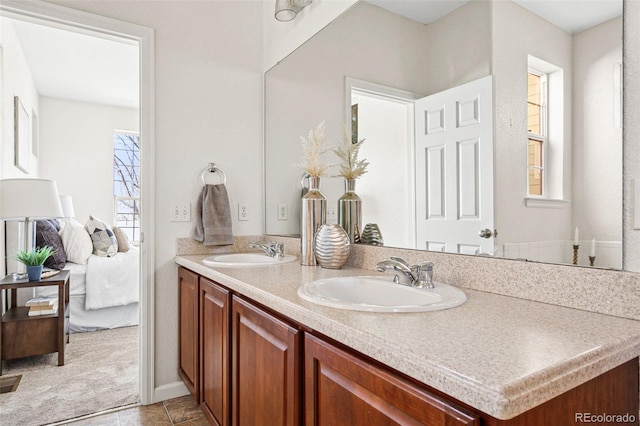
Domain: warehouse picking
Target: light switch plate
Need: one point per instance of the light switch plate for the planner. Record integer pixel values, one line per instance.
(181, 212)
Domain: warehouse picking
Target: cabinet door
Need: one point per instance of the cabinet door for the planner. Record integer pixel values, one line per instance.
(266, 368)
(214, 352)
(188, 330)
(342, 389)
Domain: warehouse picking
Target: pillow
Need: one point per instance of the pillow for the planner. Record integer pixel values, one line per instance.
(47, 235)
(77, 242)
(104, 242)
(123, 240)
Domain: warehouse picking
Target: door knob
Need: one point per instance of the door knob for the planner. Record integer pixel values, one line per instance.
(485, 233)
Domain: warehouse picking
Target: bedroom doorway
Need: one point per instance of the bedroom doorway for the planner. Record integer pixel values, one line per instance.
(77, 22)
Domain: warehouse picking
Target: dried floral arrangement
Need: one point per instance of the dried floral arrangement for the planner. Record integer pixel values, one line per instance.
(350, 166)
(313, 147)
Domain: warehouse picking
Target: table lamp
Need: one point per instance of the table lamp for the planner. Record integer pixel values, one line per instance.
(66, 202)
(27, 200)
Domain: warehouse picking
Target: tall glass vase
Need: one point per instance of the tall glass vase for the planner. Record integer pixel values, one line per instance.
(314, 215)
(350, 211)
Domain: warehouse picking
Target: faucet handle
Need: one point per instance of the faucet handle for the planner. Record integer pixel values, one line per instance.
(401, 260)
(278, 249)
(424, 274)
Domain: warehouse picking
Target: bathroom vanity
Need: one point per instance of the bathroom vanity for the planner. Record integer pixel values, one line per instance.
(248, 340)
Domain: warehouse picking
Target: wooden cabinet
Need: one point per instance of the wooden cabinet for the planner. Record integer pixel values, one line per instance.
(188, 361)
(22, 335)
(214, 352)
(341, 388)
(265, 368)
(247, 366)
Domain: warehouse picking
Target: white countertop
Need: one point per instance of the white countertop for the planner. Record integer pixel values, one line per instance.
(499, 354)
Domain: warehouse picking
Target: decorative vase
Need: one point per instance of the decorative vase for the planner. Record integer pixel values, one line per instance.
(332, 246)
(371, 235)
(34, 273)
(350, 211)
(314, 215)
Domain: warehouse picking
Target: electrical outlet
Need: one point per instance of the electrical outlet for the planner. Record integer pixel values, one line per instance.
(332, 214)
(283, 211)
(243, 211)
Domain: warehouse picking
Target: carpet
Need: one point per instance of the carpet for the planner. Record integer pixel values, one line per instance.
(100, 372)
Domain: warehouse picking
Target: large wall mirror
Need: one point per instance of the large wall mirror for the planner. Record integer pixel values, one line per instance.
(541, 92)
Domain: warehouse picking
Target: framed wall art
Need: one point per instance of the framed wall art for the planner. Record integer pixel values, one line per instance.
(22, 136)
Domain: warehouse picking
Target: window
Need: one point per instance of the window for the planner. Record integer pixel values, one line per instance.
(126, 183)
(537, 131)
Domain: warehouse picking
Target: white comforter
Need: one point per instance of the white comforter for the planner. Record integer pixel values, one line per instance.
(113, 281)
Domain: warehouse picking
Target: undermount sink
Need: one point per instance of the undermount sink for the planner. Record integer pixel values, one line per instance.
(245, 259)
(379, 294)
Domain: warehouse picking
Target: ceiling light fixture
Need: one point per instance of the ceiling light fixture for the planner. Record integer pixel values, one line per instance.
(286, 10)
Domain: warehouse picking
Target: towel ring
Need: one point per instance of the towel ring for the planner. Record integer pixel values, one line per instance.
(212, 168)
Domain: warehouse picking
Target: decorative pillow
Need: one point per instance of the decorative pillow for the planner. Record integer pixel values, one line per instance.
(47, 235)
(104, 242)
(123, 240)
(77, 242)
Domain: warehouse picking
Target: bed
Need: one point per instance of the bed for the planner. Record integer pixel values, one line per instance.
(104, 290)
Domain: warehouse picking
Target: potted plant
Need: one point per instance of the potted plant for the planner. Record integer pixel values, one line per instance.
(33, 260)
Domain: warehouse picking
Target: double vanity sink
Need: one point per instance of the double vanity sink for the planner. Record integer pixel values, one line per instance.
(358, 293)
(501, 355)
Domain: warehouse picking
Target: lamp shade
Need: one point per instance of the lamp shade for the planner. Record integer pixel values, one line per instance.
(66, 202)
(29, 198)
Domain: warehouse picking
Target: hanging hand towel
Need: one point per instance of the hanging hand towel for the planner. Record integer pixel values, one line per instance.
(213, 217)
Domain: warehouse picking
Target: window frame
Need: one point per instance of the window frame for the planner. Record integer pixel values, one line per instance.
(118, 198)
(542, 137)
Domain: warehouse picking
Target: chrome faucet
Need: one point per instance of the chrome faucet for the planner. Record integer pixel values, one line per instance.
(419, 276)
(271, 248)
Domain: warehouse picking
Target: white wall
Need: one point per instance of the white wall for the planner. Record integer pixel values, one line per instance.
(76, 150)
(15, 80)
(517, 33)
(208, 95)
(597, 132)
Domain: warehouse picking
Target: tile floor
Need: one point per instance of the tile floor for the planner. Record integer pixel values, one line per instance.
(181, 411)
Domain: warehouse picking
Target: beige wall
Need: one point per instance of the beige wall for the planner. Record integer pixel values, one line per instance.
(208, 91)
(517, 33)
(459, 47)
(597, 132)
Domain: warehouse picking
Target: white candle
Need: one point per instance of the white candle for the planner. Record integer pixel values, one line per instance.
(593, 247)
(576, 241)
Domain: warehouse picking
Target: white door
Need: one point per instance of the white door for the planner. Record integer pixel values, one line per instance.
(454, 169)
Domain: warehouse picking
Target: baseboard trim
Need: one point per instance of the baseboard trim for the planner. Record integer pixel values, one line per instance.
(169, 391)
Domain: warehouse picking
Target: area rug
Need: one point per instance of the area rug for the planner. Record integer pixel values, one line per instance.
(100, 372)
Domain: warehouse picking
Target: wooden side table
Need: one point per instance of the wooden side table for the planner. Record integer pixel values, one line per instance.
(22, 335)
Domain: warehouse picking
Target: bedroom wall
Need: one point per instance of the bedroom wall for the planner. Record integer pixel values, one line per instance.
(208, 108)
(15, 80)
(76, 150)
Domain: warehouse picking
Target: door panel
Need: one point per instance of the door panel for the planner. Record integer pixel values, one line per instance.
(454, 168)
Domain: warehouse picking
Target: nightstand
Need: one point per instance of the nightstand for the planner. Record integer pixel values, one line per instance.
(22, 335)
